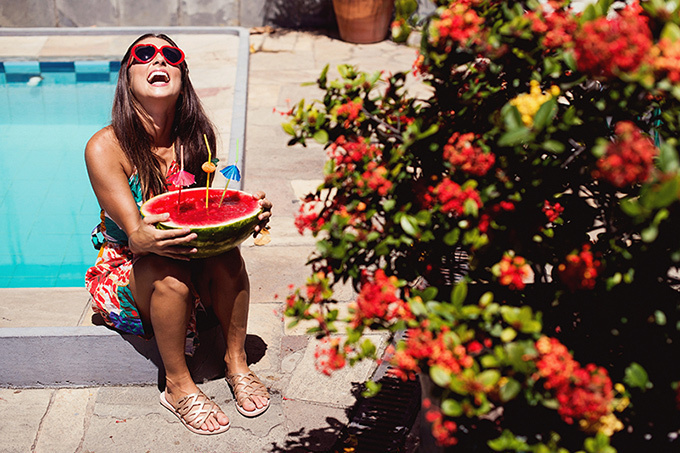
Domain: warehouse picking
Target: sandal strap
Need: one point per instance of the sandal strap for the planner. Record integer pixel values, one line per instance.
(195, 408)
(246, 385)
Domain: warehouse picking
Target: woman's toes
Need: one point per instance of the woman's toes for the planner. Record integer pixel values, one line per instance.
(221, 419)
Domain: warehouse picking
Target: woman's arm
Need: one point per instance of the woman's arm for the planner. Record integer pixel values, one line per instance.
(109, 171)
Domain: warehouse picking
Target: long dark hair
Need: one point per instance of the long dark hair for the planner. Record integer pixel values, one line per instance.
(188, 128)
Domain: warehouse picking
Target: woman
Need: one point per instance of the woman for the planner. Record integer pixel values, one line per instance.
(144, 281)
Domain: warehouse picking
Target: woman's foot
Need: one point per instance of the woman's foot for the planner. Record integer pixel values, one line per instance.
(195, 410)
(252, 397)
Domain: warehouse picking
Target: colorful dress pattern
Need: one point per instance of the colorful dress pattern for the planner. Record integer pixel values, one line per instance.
(108, 280)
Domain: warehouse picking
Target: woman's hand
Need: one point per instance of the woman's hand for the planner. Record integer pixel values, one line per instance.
(170, 243)
(266, 206)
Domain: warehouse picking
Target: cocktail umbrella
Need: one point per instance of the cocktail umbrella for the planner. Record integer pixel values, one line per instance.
(181, 178)
(230, 172)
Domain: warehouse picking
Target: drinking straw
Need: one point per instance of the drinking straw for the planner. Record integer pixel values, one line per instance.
(207, 182)
(183, 178)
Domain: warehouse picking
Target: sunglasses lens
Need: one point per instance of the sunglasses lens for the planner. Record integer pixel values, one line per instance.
(145, 53)
(172, 55)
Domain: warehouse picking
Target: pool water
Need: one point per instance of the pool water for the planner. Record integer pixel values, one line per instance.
(48, 112)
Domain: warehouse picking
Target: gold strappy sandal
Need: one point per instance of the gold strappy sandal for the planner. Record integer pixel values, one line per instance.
(193, 410)
(245, 386)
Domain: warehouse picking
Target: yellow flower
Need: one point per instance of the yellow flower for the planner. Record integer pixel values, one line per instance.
(529, 103)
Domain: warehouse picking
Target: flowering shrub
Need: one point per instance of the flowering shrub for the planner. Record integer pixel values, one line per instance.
(519, 225)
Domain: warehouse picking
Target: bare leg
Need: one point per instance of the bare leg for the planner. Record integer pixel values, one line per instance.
(223, 284)
(160, 287)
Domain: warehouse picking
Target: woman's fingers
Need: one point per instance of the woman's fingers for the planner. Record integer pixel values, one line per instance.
(155, 218)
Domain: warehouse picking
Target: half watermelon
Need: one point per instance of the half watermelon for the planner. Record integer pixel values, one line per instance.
(220, 227)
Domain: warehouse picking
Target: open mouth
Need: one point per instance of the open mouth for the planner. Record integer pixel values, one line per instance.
(158, 78)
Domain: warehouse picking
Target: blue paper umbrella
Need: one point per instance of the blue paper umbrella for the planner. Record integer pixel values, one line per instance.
(231, 172)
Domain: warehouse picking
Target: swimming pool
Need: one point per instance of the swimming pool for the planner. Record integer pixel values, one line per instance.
(48, 111)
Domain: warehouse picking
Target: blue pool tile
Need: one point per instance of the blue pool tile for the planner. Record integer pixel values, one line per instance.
(22, 78)
(114, 66)
(57, 66)
(87, 77)
(22, 67)
(92, 67)
(2, 67)
(59, 78)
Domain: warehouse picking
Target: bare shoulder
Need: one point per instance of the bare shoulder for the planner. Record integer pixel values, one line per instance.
(103, 149)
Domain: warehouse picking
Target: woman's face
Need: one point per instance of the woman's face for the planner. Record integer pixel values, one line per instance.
(156, 80)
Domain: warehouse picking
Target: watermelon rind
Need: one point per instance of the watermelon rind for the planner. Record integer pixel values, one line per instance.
(216, 239)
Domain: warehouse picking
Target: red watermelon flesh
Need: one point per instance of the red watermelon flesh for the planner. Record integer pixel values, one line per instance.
(220, 227)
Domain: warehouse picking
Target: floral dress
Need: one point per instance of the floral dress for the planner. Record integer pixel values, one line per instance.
(108, 280)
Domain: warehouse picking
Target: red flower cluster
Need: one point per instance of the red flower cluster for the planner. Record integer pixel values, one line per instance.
(329, 359)
(583, 393)
(351, 110)
(378, 301)
(457, 24)
(512, 270)
(667, 59)
(349, 152)
(374, 178)
(454, 198)
(580, 269)
(442, 430)
(611, 46)
(629, 159)
(308, 217)
(461, 152)
(556, 26)
(438, 350)
(552, 211)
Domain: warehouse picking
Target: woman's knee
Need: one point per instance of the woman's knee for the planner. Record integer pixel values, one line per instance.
(167, 276)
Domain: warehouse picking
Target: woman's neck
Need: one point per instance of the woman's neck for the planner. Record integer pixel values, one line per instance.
(158, 123)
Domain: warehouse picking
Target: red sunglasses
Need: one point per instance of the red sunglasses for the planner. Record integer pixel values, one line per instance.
(144, 53)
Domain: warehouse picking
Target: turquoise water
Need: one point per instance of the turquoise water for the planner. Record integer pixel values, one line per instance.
(47, 207)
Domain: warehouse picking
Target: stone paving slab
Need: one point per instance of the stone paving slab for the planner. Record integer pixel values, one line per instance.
(42, 307)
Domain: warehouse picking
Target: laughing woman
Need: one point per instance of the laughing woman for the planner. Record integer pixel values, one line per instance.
(144, 280)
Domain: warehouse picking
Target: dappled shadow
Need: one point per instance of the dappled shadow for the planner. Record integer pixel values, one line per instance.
(379, 424)
(300, 14)
(318, 440)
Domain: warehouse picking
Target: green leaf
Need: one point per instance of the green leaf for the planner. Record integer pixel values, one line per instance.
(671, 31)
(459, 294)
(439, 376)
(636, 376)
(372, 389)
(508, 334)
(452, 408)
(553, 146)
(545, 114)
(452, 237)
(288, 128)
(321, 136)
(489, 377)
(509, 390)
(410, 225)
(515, 137)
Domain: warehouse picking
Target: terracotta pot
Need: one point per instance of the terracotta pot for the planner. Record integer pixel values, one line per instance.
(363, 21)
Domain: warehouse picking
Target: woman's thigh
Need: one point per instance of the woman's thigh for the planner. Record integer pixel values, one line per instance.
(220, 274)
